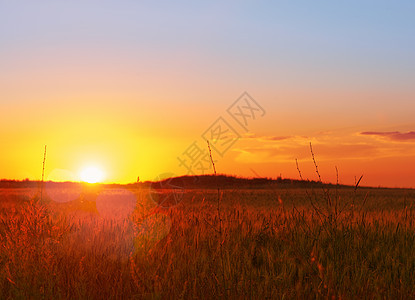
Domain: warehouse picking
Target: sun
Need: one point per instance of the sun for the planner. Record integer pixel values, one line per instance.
(92, 174)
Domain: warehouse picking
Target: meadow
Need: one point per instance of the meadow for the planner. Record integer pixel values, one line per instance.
(274, 243)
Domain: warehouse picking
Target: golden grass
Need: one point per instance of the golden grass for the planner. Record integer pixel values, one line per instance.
(274, 245)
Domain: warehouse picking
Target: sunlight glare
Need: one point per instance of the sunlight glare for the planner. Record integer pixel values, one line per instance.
(92, 175)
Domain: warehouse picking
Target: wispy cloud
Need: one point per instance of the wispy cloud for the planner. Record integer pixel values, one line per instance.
(328, 146)
(277, 138)
(392, 135)
(267, 138)
(325, 151)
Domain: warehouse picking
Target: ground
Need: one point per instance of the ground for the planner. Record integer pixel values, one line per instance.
(315, 242)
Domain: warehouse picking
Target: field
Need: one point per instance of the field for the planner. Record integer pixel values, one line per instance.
(233, 243)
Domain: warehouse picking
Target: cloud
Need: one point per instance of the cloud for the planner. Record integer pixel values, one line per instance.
(392, 135)
(267, 138)
(323, 151)
(327, 146)
(277, 138)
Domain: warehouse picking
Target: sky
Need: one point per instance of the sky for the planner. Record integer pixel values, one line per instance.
(135, 88)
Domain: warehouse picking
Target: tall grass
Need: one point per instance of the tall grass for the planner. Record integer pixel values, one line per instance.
(276, 246)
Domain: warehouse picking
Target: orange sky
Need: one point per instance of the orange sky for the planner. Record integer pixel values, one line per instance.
(130, 88)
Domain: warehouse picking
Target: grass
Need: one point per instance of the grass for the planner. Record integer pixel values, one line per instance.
(274, 245)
